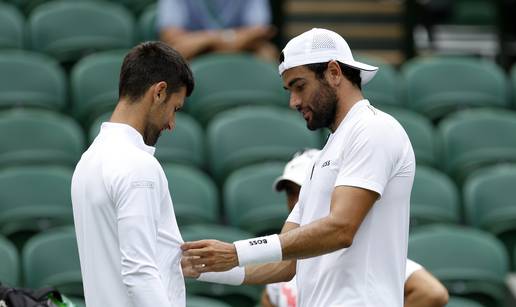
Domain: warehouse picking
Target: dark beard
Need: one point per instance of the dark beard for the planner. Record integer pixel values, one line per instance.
(324, 104)
(151, 134)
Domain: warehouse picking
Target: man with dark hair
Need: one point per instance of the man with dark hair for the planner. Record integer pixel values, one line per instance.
(127, 234)
(346, 238)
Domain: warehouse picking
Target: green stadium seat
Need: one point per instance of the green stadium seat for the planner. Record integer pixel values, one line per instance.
(94, 84)
(253, 134)
(489, 200)
(438, 86)
(434, 198)
(244, 295)
(455, 301)
(185, 144)
(10, 268)
(470, 262)
(476, 138)
(250, 202)
(384, 88)
(69, 30)
(231, 80)
(32, 80)
(38, 136)
(52, 259)
(199, 301)
(421, 134)
(12, 27)
(194, 195)
(46, 204)
(147, 24)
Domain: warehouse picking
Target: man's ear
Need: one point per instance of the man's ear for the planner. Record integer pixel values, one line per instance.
(333, 73)
(160, 92)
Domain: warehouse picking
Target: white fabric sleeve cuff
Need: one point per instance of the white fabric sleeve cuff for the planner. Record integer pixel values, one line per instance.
(259, 250)
(411, 267)
(234, 277)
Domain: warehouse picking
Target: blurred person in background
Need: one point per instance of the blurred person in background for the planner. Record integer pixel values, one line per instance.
(202, 26)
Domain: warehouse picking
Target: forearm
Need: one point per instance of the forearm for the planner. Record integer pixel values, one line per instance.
(270, 272)
(317, 238)
(189, 44)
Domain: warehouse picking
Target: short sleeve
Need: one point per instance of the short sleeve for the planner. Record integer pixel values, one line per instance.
(411, 267)
(171, 13)
(256, 13)
(295, 215)
(367, 161)
(273, 292)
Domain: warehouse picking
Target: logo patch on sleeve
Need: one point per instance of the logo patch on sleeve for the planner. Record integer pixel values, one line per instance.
(143, 184)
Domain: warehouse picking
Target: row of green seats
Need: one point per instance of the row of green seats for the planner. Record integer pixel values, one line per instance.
(470, 262)
(245, 135)
(63, 28)
(247, 201)
(434, 87)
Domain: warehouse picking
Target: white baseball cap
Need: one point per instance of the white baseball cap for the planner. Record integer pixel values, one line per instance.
(296, 169)
(320, 46)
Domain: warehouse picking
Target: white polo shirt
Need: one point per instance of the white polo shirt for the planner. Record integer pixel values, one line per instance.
(369, 150)
(284, 294)
(128, 239)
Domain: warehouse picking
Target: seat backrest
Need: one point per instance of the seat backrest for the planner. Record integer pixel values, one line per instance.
(37, 136)
(420, 132)
(454, 253)
(31, 79)
(434, 198)
(474, 138)
(147, 24)
(10, 268)
(12, 27)
(94, 84)
(489, 197)
(248, 190)
(185, 144)
(202, 202)
(384, 88)
(512, 76)
(437, 86)
(48, 198)
(255, 134)
(51, 258)
(70, 29)
(247, 81)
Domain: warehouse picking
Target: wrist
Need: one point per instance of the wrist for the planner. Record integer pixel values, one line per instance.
(234, 277)
(258, 250)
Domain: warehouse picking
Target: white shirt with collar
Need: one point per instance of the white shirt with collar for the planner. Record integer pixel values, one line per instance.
(127, 234)
(369, 150)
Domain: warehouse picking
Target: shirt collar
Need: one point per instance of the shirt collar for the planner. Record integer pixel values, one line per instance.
(127, 132)
(351, 112)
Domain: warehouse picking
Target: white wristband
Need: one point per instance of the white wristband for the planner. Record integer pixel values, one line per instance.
(234, 277)
(258, 250)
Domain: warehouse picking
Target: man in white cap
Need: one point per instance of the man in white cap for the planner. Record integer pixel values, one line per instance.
(346, 239)
(421, 288)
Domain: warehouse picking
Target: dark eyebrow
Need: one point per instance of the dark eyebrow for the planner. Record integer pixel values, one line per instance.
(292, 82)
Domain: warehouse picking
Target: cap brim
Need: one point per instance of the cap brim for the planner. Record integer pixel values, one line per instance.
(367, 71)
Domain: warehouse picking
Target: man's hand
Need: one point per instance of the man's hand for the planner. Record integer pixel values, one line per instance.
(189, 269)
(210, 255)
